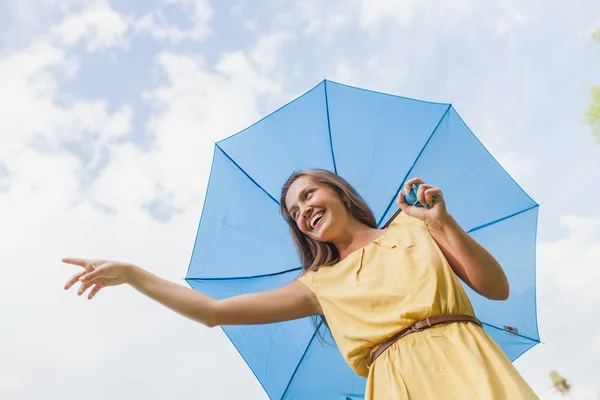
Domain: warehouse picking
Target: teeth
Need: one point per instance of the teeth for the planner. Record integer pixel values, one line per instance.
(314, 218)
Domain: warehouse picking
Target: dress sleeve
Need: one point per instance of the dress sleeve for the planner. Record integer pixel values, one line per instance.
(308, 279)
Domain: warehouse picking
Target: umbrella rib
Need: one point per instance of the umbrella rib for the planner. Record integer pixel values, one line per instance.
(501, 219)
(245, 173)
(245, 277)
(516, 334)
(329, 127)
(302, 358)
(413, 165)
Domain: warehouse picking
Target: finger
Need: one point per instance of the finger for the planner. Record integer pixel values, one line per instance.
(92, 275)
(410, 182)
(93, 292)
(408, 208)
(84, 287)
(432, 195)
(74, 279)
(401, 201)
(75, 261)
(82, 262)
(421, 193)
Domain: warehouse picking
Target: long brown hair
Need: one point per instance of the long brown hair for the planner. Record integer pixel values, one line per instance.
(313, 253)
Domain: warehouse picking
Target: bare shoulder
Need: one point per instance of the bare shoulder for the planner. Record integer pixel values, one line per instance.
(304, 291)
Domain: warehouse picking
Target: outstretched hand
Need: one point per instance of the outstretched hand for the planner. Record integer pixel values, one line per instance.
(427, 195)
(97, 274)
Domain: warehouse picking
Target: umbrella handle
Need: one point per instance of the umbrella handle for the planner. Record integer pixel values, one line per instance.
(411, 198)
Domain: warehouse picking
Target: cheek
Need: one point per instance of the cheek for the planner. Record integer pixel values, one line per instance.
(337, 205)
(326, 200)
(301, 225)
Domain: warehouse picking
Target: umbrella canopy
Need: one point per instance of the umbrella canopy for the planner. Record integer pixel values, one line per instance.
(376, 142)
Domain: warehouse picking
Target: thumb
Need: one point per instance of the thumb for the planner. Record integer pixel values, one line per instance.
(402, 202)
(409, 209)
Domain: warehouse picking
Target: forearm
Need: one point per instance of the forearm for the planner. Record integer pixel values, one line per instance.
(185, 301)
(469, 260)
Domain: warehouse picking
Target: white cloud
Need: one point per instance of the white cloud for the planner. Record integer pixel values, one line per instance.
(374, 12)
(159, 26)
(28, 19)
(33, 112)
(197, 106)
(99, 25)
(30, 103)
(48, 212)
(266, 52)
(320, 22)
(567, 291)
(59, 214)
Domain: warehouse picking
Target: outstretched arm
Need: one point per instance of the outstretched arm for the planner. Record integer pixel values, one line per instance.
(291, 301)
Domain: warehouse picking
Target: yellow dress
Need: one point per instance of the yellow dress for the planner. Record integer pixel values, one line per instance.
(387, 286)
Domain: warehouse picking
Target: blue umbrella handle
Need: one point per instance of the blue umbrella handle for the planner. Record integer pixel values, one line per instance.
(411, 198)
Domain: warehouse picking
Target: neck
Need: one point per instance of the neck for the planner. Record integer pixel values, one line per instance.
(355, 236)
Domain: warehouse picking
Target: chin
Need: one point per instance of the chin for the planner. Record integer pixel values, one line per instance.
(321, 236)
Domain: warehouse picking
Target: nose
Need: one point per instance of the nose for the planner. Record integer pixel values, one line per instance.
(306, 212)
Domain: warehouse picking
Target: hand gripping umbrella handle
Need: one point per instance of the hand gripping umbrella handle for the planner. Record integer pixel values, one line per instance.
(411, 198)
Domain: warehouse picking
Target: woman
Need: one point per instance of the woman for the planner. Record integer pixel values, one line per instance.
(391, 296)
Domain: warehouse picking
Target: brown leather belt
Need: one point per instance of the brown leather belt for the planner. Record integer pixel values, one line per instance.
(419, 326)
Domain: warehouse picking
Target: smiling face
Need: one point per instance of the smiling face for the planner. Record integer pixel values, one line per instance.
(317, 209)
(322, 208)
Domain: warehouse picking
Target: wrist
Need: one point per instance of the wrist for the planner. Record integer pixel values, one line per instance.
(131, 272)
(442, 224)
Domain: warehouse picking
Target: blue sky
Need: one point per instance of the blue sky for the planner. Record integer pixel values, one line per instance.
(108, 112)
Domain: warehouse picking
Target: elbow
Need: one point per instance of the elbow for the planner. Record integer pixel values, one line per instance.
(501, 296)
(506, 293)
(499, 292)
(209, 323)
(210, 319)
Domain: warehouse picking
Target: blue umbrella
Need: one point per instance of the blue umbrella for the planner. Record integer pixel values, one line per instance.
(376, 142)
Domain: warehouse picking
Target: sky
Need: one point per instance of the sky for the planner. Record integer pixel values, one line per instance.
(109, 112)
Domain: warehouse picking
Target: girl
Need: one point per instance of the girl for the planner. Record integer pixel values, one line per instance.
(391, 297)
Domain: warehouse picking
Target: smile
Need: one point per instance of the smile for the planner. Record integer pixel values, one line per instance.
(314, 221)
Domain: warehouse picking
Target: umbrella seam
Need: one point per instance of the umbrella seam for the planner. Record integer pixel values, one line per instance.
(201, 214)
(247, 363)
(492, 157)
(387, 94)
(516, 334)
(268, 115)
(414, 163)
(501, 219)
(535, 309)
(245, 173)
(301, 358)
(244, 277)
(329, 126)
